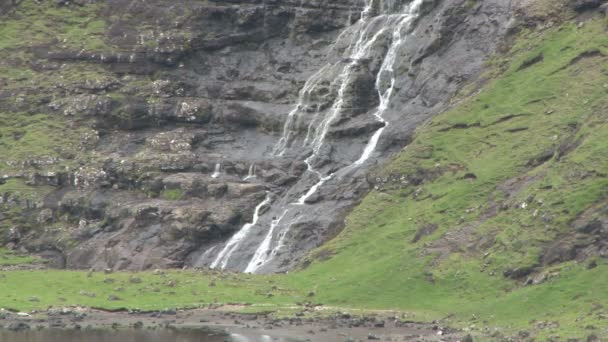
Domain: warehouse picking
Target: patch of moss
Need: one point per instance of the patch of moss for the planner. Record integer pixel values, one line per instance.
(10, 258)
(32, 141)
(172, 194)
(67, 27)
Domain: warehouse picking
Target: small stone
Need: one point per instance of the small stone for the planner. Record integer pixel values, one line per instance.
(18, 326)
(87, 294)
(467, 338)
(379, 324)
(113, 298)
(169, 312)
(135, 280)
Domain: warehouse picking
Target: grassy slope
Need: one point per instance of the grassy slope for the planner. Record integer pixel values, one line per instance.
(26, 134)
(31, 139)
(9, 258)
(374, 263)
(377, 265)
(44, 22)
(172, 289)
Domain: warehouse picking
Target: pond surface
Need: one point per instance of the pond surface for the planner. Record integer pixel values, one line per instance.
(56, 335)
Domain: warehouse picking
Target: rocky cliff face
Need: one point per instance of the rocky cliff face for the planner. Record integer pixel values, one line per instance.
(148, 134)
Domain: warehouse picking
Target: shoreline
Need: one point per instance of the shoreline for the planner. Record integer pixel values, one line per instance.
(340, 327)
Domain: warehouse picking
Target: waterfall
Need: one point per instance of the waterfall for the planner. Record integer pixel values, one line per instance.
(302, 200)
(359, 50)
(224, 256)
(206, 254)
(262, 253)
(250, 173)
(405, 23)
(217, 171)
(288, 129)
(281, 242)
(367, 32)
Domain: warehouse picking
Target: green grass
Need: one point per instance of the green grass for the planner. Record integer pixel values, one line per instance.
(557, 101)
(150, 291)
(9, 258)
(70, 27)
(18, 194)
(27, 138)
(512, 137)
(20, 188)
(172, 194)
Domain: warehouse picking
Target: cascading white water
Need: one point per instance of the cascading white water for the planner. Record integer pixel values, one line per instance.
(205, 255)
(405, 22)
(302, 200)
(281, 242)
(357, 51)
(261, 254)
(223, 257)
(288, 129)
(398, 22)
(250, 173)
(367, 35)
(217, 171)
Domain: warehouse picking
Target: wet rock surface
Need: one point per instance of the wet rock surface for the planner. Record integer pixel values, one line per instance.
(187, 110)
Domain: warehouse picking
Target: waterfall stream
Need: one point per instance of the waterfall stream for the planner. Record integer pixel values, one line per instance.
(261, 254)
(288, 129)
(217, 171)
(250, 173)
(368, 31)
(223, 257)
(404, 22)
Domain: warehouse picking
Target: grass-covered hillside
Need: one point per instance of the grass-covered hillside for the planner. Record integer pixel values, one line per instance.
(494, 220)
(507, 226)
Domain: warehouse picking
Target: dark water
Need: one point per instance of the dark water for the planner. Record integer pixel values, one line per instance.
(47, 335)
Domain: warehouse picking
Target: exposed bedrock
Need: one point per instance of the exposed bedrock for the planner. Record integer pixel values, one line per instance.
(192, 134)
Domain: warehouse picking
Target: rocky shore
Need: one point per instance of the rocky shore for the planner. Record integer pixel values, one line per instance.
(222, 321)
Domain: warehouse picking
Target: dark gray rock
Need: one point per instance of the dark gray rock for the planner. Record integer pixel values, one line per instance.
(18, 326)
(584, 5)
(209, 89)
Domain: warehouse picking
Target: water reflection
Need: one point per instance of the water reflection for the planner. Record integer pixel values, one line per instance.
(263, 338)
(57, 335)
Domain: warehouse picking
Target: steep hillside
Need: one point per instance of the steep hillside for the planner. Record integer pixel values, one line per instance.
(493, 218)
(143, 134)
(498, 210)
(117, 113)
